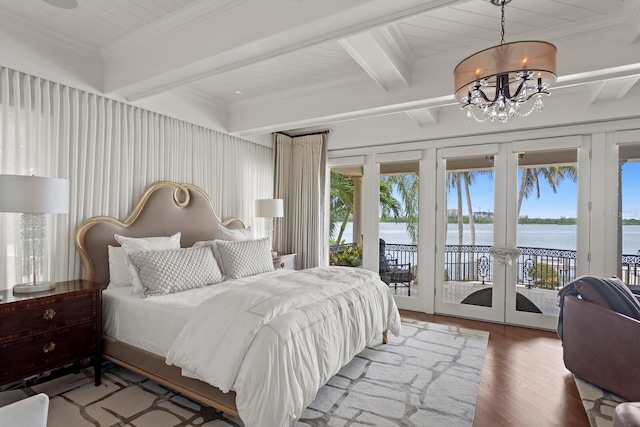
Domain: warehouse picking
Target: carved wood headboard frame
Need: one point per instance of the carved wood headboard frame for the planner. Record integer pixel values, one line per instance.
(163, 209)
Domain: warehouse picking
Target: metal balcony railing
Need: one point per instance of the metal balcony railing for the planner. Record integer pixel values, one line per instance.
(536, 267)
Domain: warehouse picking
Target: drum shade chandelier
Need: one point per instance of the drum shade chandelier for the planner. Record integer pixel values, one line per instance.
(494, 84)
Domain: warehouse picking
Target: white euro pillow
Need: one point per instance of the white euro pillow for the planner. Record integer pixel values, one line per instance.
(118, 268)
(138, 244)
(236, 234)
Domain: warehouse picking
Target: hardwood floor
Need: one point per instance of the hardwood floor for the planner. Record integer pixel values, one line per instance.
(524, 382)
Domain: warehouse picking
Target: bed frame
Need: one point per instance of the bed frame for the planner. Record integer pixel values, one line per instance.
(163, 209)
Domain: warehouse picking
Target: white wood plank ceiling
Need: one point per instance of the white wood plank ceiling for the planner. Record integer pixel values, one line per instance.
(95, 22)
(346, 58)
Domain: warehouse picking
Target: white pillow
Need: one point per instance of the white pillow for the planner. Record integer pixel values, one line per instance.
(118, 268)
(175, 270)
(245, 258)
(137, 244)
(236, 234)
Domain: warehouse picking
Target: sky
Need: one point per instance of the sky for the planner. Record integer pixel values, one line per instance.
(550, 205)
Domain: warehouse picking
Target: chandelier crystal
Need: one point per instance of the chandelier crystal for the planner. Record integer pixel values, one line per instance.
(494, 84)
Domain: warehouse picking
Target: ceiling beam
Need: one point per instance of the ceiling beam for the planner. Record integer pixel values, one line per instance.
(158, 62)
(365, 99)
(424, 116)
(613, 89)
(384, 54)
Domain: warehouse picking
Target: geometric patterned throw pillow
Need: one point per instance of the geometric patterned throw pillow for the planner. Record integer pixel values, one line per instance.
(139, 244)
(245, 258)
(174, 270)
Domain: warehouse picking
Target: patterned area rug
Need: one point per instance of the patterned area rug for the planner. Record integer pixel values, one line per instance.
(428, 376)
(598, 403)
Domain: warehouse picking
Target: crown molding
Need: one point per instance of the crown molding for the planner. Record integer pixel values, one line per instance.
(187, 16)
(48, 35)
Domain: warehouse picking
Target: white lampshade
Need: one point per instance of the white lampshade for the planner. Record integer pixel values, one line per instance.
(33, 194)
(269, 208)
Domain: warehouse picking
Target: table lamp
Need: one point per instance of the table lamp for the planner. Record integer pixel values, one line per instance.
(269, 209)
(33, 196)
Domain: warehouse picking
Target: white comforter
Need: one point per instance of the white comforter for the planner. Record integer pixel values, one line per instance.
(276, 342)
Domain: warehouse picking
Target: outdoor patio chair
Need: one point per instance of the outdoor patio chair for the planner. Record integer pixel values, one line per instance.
(394, 273)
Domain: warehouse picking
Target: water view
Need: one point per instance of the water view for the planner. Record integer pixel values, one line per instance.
(529, 235)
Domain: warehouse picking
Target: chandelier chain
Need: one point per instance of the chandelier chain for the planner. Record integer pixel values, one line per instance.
(502, 24)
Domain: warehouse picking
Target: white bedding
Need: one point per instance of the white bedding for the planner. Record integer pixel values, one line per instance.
(142, 322)
(277, 340)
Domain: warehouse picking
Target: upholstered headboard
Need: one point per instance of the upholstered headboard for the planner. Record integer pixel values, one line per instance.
(163, 209)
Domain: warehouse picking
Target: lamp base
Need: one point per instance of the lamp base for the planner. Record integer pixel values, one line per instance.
(29, 288)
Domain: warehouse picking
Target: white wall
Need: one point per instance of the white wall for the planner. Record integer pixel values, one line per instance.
(77, 65)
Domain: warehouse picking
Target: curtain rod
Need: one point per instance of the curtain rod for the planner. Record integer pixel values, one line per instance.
(328, 131)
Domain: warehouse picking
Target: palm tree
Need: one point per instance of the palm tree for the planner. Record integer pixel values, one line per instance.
(389, 206)
(341, 202)
(469, 179)
(553, 175)
(454, 180)
(407, 186)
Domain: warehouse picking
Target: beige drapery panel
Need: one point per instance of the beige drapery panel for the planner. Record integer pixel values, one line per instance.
(300, 165)
(111, 151)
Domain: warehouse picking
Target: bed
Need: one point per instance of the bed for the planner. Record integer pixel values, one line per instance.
(257, 347)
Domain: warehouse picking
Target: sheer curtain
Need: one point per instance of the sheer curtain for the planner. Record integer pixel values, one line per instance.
(300, 167)
(111, 151)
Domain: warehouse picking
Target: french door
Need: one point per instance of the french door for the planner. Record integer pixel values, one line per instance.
(508, 234)
(467, 285)
(403, 180)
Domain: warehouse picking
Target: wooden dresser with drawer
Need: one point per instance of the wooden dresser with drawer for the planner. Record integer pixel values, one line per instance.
(46, 330)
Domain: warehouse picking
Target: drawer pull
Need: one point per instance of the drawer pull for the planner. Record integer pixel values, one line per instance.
(49, 314)
(282, 265)
(48, 348)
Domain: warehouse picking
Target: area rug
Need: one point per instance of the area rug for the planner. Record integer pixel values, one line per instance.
(598, 403)
(428, 376)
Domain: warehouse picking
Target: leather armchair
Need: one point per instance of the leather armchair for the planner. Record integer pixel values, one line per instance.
(602, 346)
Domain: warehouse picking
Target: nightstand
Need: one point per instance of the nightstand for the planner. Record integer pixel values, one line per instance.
(285, 262)
(49, 329)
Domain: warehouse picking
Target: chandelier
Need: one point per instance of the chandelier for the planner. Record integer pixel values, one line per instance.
(494, 84)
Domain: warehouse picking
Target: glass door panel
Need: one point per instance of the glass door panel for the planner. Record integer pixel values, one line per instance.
(398, 227)
(546, 234)
(345, 223)
(629, 214)
(467, 269)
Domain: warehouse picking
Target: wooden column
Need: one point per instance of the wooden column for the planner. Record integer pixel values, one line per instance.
(357, 209)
